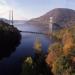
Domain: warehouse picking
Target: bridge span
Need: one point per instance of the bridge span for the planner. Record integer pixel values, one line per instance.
(43, 33)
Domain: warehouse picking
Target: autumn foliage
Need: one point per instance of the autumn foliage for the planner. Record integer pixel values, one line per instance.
(61, 55)
(67, 42)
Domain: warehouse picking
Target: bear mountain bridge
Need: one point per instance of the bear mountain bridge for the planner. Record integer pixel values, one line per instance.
(43, 33)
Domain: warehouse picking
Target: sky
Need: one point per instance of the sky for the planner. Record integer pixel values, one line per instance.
(27, 9)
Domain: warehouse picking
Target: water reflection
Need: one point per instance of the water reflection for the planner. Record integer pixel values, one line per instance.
(8, 43)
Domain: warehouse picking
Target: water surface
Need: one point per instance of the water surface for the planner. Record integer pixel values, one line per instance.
(12, 65)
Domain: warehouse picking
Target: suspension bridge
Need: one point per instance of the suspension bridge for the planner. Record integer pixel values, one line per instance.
(43, 33)
(33, 32)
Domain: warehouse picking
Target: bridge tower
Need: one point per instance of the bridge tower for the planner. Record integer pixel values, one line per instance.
(11, 17)
(50, 24)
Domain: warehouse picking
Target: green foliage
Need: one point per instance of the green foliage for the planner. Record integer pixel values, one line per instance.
(29, 60)
(57, 36)
(27, 68)
(6, 27)
(35, 66)
(54, 47)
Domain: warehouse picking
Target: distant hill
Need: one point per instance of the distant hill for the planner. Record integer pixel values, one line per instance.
(61, 16)
(19, 22)
(4, 20)
(15, 22)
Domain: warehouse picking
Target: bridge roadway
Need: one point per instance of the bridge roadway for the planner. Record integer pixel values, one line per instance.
(35, 32)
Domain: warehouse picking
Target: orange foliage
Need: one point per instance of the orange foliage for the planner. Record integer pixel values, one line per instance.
(50, 58)
(73, 58)
(68, 42)
(55, 50)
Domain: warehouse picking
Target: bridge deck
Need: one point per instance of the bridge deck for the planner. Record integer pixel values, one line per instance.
(34, 32)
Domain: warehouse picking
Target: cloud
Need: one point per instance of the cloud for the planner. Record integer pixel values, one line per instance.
(5, 8)
(32, 8)
(3, 2)
(21, 10)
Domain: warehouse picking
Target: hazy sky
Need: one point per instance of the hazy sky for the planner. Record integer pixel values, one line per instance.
(27, 9)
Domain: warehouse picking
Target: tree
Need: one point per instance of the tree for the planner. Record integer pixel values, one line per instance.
(61, 66)
(67, 42)
(54, 51)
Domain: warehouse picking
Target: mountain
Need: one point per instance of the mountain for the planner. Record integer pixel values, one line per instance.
(63, 17)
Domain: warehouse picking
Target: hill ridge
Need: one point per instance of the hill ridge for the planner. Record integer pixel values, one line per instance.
(62, 16)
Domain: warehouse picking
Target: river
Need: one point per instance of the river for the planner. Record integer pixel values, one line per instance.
(12, 65)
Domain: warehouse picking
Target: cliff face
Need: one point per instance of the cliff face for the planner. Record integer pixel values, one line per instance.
(61, 16)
